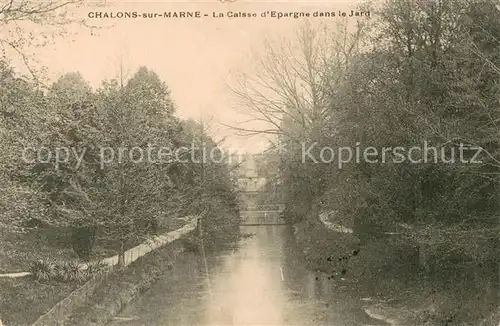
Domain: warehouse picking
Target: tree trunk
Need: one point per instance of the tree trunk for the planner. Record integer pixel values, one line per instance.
(83, 238)
(198, 227)
(423, 262)
(419, 218)
(121, 255)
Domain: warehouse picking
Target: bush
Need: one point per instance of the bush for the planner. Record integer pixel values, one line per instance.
(96, 267)
(68, 271)
(83, 241)
(43, 270)
(65, 271)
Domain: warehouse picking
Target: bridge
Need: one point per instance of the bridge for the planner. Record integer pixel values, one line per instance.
(262, 215)
(252, 189)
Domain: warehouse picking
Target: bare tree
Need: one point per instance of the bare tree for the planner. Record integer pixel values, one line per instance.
(295, 80)
(31, 23)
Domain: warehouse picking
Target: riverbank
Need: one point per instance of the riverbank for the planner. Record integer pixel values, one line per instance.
(36, 297)
(22, 249)
(43, 301)
(387, 277)
(23, 300)
(123, 285)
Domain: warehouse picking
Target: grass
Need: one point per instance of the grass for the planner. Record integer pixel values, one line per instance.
(20, 250)
(23, 300)
(106, 248)
(124, 285)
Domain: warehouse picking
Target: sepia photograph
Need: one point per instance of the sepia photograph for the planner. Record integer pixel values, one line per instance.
(249, 162)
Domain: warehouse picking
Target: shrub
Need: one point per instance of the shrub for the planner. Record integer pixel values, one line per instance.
(75, 273)
(95, 267)
(68, 271)
(63, 271)
(83, 241)
(43, 270)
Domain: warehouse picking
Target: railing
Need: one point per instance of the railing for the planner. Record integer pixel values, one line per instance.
(59, 313)
(323, 218)
(134, 253)
(272, 207)
(262, 218)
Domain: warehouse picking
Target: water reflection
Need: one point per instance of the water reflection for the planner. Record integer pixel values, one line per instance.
(248, 291)
(262, 282)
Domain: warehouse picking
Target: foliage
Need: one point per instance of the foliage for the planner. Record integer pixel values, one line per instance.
(65, 270)
(428, 75)
(22, 110)
(43, 270)
(96, 267)
(49, 18)
(93, 188)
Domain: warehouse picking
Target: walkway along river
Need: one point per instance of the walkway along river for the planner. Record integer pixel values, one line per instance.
(261, 281)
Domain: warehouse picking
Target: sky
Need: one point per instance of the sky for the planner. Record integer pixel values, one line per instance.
(195, 57)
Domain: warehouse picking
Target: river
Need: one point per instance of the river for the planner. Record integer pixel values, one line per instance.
(261, 281)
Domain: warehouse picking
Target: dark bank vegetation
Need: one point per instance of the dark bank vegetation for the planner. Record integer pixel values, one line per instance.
(418, 72)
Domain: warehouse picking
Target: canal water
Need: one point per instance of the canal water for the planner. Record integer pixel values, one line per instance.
(261, 281)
